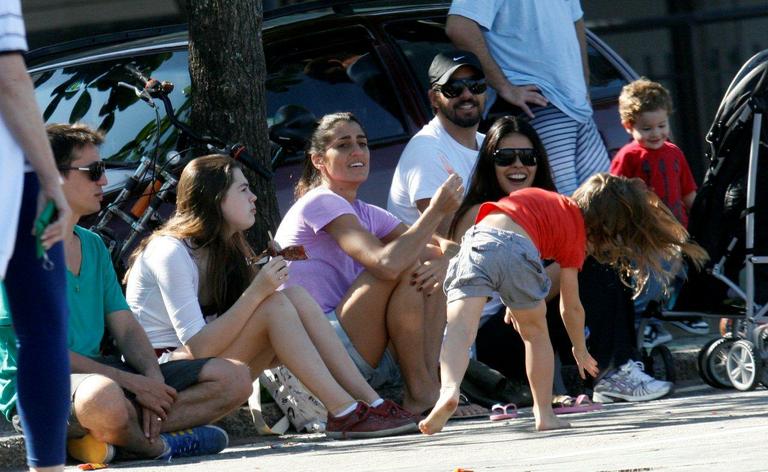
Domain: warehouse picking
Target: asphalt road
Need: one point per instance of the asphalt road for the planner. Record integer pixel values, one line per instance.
(697, 429)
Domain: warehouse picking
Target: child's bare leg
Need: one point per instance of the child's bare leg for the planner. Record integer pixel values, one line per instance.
(463, 319)
(539, 364)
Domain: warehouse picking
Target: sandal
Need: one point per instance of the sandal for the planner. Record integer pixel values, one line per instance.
(567, 404)
(503, 412)
(467, 410)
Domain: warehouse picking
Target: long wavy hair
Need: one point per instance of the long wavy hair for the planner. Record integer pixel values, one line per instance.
(199, 223)
(484, 185)
(629, 228)
(318, 143)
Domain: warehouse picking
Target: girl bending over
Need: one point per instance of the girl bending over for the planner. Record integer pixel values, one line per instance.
(616, 220)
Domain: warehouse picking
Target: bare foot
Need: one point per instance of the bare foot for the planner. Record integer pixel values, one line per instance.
(547, 422)
(442, 411)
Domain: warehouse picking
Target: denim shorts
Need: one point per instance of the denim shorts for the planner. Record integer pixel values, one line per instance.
(387, 374)
(495, 260)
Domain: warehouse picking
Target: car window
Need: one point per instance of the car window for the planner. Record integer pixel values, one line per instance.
(339, 74)
(419, 41)
(605, 81)
(89, 93)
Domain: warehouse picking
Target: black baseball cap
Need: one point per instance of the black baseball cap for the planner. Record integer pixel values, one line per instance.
(446, 63)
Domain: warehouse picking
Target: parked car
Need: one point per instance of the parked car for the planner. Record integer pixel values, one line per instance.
(370, 58)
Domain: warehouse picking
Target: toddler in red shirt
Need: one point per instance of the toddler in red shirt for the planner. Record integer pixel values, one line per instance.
(616, 220)
(644, 108)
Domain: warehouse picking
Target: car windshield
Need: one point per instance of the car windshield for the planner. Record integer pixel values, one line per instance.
(89, 93)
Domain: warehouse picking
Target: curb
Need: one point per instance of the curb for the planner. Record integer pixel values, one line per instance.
(241, 430)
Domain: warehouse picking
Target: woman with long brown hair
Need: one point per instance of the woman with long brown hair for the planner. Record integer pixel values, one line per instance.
(371, 274)
(196, 292)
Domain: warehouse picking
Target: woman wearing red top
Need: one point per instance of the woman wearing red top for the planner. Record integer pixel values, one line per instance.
(616, 220)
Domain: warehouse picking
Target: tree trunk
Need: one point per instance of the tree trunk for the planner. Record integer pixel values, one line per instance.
(227, 68)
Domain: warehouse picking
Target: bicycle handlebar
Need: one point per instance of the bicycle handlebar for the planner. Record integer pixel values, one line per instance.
(156, 89)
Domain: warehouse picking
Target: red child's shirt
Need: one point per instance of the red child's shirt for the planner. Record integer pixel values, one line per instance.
(554, 223)
(664, 170)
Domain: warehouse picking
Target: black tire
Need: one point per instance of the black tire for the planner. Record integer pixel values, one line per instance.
(712, 363)
(660, 364)
(745, 365)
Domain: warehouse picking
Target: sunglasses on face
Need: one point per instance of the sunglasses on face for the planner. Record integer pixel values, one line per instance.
(95, 170)
(454, 88)
(507, 156)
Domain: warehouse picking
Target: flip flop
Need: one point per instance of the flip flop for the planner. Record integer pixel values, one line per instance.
(566, 404)
(468, 410)
(502, 412)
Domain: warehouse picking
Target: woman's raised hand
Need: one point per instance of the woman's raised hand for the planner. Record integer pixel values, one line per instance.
(448, 197)
(272, 274)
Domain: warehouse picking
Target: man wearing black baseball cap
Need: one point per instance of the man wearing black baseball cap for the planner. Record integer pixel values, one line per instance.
(448, 143)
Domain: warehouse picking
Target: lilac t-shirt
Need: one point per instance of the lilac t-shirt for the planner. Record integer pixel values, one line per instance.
(329, 271)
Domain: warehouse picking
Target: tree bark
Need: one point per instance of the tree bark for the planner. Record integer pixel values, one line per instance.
(227, 68)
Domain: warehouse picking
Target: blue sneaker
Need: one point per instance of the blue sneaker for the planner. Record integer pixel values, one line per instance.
(198, 441)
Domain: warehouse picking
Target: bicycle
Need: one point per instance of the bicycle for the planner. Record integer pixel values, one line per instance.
(153, 183)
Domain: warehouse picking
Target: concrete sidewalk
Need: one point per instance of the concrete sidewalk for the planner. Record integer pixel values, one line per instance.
(685, 350)
(697, 429)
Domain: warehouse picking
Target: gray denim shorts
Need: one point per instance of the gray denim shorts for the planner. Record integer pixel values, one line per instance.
(387, 374)
(495, 260)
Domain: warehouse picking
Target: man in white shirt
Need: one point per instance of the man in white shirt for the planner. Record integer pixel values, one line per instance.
(448, 143)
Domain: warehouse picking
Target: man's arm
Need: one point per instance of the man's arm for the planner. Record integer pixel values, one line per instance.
(466, 34)
(22, 117)
(582, 37)
(133, 343)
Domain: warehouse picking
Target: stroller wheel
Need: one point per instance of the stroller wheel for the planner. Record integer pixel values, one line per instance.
(660, 364)
(744, 364)
(712, 363)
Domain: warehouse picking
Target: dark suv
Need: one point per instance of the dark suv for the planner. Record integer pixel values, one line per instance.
(370, 58)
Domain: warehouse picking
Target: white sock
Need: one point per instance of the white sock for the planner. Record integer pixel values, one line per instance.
(347, 410)
(377, 402)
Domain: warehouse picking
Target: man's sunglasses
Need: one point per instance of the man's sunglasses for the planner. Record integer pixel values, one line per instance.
(454, 88)
(507, 156)
(95, 170)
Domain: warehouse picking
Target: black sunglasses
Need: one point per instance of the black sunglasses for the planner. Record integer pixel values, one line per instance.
(507, 156)
(454, 88)
(95, 170)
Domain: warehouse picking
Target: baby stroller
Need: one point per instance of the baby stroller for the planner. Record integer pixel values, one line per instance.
(730, 220)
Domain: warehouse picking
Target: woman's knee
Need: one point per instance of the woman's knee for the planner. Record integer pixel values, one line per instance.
(276, 304)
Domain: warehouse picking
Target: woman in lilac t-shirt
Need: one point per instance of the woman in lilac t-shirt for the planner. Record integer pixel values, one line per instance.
(371, 274)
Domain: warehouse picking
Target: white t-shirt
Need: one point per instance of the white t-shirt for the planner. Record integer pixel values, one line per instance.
(162, 292)
(535, 42)
(421, 171)
(12, 38)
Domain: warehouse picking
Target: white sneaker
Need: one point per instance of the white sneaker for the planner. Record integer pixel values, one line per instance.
(637, 372)
(629, 383)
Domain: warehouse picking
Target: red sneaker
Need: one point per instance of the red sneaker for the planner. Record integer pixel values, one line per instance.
(364, 422)
(393, 410)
